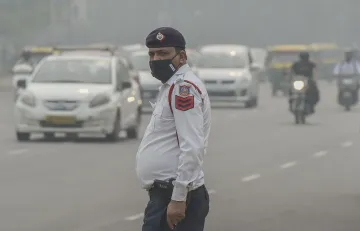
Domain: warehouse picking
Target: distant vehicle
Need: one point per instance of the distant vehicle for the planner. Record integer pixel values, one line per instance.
(149, 84)
(229, 74)
(21, 69)
(278, 64)
(133, 47)
(84, 91)
(259, 56)
(326, 56)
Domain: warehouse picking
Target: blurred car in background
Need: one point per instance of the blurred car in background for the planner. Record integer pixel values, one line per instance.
(149, 84)
(87, 90)
(259, 56)
(21, 70)
(229, 74)
(133, 47)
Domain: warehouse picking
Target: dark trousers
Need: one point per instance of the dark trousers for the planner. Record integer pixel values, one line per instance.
(155, 218)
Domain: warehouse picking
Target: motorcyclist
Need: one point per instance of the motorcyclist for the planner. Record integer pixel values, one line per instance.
(306, 68)
(26, 58)
(349, 66)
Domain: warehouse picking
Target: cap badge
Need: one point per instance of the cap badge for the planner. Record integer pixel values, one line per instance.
(160, 37)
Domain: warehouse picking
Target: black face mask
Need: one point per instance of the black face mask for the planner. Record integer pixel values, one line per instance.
(163, 70)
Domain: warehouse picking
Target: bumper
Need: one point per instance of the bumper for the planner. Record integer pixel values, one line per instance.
(99, 121)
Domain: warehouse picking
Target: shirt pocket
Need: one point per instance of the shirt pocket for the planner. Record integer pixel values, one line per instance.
(163, 119)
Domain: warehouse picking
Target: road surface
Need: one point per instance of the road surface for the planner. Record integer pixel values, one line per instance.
(264, 174)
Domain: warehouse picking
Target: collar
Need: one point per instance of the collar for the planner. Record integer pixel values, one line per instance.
(181, 71)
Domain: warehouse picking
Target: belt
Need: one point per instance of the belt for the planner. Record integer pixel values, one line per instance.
(164, 189)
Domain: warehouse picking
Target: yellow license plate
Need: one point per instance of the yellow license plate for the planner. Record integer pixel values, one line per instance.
(60, 120)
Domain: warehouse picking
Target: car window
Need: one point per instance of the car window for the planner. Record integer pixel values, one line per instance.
(122, 73)
(222, 60)
(91, 71)
(141, 62)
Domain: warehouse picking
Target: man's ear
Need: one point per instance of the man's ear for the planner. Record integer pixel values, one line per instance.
(183, 57)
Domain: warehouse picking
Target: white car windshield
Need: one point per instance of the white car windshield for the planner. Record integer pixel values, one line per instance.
(221, 61)
(140, 62)
(74, 71)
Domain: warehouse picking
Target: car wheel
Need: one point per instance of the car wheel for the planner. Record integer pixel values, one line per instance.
(22, 136)
(251, 103)
(114, 135)
(133, 132)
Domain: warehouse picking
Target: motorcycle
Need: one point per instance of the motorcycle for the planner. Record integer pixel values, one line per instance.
(348, 87)
(299, 105)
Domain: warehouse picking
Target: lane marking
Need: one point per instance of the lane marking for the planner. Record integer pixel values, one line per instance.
(320, 154)
(17, 152)
(288, 165)
(135, 217)
(211, 191)
(250, 178)
(347, 144)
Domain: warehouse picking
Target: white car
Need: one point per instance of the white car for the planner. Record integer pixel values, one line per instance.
(259, 55)
(149, 84)
(79, 93)
(229, 75)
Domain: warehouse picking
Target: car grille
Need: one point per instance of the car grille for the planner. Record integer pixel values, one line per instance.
(45, 124)
(222, 93)
(61, 105)
(210, 81)
(228, 81)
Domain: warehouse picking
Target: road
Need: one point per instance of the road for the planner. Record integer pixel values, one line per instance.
(264, 174)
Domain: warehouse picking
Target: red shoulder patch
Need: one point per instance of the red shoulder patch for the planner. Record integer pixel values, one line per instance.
(184, 103)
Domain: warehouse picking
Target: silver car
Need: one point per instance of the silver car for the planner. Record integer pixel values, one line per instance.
(229, 75)
(149, 85)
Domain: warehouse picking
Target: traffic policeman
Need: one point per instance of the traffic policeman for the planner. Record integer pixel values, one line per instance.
(171, 154)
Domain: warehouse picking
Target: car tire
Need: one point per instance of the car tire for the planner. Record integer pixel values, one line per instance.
(133, 132)
(22, 136)
(114, 135)
(251, 103)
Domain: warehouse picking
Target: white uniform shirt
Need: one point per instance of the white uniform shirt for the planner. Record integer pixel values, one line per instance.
(347, 68)
(175, 142)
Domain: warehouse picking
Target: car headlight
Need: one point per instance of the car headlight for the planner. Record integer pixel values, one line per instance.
(28, 99)
(99, 100)
(299, 85)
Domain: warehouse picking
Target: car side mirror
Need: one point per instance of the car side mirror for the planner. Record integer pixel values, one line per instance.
(126, 85)
(21, 83)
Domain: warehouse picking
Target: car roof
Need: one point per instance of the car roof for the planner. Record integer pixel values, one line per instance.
(223, 48)
(140, 52)
(289, 47)
(76, 57)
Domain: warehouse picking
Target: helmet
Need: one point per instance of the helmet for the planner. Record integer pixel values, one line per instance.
(304, 55)
(25, 54)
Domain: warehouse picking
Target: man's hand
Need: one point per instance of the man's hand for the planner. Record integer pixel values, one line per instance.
(175, 212)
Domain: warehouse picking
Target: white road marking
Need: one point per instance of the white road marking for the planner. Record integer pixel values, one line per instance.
(320, 154)
(135, 217)
(250, 178)
(288, 165)
(141, 215)
(347, 144)
(17, 152)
